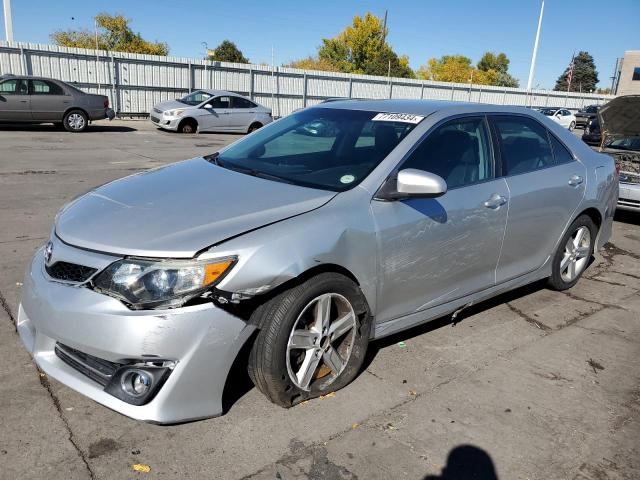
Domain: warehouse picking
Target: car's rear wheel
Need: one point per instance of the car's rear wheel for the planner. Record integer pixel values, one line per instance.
(75, 121)
(254, 126)
(312, 340)
(572, 125)
(188, 126)
(573, 254)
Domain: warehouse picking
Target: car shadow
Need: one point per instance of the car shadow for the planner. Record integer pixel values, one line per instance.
(625, 216)
(377, 345)
(467, 462)
(45, 127)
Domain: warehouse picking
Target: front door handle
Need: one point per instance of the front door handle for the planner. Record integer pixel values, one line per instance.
(495, 201)
(576, 180)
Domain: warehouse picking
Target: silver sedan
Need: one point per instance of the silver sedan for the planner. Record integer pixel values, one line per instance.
(210, 111)
(337, 225)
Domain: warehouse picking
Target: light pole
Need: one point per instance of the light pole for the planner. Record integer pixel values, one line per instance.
(8, 22)
(95, 27)
(206, 59)
(535, 48)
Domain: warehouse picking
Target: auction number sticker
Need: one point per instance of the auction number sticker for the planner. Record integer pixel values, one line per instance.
(347, 178)
(398, 117)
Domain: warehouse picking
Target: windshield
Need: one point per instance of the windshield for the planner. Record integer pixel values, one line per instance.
(195, 98)
(629, 143)
(590, 109)
(548, 111)
(326, 148)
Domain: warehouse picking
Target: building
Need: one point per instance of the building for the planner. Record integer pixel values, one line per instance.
(628, 74)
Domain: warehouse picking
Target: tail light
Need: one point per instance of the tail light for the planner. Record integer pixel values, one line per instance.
(106, 103)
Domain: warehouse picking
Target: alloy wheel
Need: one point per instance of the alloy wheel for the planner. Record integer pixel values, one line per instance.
(321, 341)
(75, 121)
(576, 254)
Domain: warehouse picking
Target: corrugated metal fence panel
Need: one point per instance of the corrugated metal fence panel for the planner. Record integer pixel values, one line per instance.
(134, 82)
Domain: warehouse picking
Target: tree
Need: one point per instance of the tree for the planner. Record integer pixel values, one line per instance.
(500, 64)
(361, 48)
(456, 68)
(313, 63)
(114, 33)
(227, 51)
(584, 77)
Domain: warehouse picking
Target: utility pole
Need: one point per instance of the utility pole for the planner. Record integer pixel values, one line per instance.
(95, 26)
(8, 22)
(384, 27)
(206, 59)
(535, 48)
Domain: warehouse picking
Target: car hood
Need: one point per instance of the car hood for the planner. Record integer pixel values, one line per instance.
(621, 116)
(178, 210)
(170, 105)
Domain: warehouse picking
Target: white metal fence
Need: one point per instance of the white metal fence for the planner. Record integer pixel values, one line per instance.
(134, 82)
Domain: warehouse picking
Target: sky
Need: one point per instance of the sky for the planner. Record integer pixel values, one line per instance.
(419, 29)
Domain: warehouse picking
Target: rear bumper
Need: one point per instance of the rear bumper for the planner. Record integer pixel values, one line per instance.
(629, 197)
(101, 114)
(202, 342)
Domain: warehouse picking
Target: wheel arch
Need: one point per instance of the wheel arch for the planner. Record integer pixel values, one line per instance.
(188, 120)
(71, 109)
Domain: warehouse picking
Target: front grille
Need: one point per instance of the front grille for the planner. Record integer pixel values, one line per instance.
(98, 370)
(70, 272)
(626, 177)
(155, 119)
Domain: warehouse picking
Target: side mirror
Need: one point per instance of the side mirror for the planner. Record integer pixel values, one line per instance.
(411, 183)
(208, 106)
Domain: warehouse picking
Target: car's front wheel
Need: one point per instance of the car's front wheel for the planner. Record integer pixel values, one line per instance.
(312, 340)
(573, 254)
(75, 121)
(188, 125)
(572, 126)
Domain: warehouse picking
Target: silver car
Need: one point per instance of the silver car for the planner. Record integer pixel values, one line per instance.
(304, 247)
(210, 111)
(26, 99)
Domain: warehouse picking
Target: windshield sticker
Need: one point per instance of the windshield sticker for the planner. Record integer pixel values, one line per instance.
(398, 117)
(347, 178)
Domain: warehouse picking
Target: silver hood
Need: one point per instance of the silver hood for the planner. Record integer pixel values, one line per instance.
(178, 210)
(170, 105)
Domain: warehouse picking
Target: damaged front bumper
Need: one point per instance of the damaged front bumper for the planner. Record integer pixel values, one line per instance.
(89, 341)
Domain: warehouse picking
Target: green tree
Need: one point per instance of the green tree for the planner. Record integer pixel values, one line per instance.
(227, 51)
(500, 65)
(361, 48)
(313, 63)
(456, 68)
(114, 33)
(584, 78)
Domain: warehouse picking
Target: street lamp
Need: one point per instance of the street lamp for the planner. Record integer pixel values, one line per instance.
(535, 48)
(8, 22)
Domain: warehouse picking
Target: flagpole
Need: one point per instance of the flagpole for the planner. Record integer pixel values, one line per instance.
(573, 57)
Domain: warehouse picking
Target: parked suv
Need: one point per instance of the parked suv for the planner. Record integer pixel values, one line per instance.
(585, 115)
(25, 99)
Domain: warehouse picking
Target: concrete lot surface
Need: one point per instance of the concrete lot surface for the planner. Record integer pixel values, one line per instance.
(532, 385)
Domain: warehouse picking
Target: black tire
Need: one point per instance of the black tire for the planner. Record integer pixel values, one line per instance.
(556, 280)
(75, 121)
(254, 126)
(267, 366)
(188, 126)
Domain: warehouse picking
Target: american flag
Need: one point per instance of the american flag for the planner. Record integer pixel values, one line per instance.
(570, 72)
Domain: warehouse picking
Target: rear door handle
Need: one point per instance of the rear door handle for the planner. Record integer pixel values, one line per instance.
(495, 201)
(576, 180)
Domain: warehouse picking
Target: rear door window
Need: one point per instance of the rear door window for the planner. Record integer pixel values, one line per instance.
(42, 87)
(560, 153)
(524, 144)
(239, 102)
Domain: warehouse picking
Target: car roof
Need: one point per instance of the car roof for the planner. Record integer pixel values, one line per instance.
(218, 92)
(420, 107)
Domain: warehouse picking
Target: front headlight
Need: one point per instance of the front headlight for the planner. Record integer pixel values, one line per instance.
(152, 284)
(175, 113)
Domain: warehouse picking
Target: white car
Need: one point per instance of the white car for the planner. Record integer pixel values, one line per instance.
(210, 111)
(562, 116)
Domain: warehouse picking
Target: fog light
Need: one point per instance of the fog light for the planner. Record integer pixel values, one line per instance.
(136, 382)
